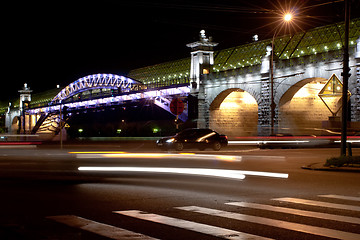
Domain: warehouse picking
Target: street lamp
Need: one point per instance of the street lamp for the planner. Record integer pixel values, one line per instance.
(287, 18)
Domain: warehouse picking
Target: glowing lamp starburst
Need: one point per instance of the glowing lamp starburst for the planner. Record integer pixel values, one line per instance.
(288, 17)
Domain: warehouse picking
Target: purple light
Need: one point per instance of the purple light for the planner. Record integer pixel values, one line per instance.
(95, 81)
(149, 94)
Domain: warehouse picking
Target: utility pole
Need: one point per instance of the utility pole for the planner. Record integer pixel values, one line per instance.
(61, 120)
(345, 75)
(272, 104)
(287, 18)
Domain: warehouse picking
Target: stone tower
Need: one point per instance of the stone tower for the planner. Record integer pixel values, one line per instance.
(202, 60)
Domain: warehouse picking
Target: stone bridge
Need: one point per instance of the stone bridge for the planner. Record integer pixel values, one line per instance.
(233, 86)
(297, 82)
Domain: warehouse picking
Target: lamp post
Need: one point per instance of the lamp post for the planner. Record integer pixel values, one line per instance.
(272, 104)
(287, 18)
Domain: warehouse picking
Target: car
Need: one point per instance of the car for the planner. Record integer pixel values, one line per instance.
(200, 138)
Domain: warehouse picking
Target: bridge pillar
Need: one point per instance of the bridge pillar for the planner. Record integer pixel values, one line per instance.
(11, 116)
(202, 60)
(25, 99)
(203, 120)
(264, 106)
(355, 111)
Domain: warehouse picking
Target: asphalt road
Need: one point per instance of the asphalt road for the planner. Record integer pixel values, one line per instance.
(158, 195)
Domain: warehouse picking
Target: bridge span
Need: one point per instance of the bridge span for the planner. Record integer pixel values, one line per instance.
(230, 89)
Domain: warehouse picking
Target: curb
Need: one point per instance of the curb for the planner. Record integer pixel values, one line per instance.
(320, 167)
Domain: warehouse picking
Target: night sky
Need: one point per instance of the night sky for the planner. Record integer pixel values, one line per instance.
(46, 43)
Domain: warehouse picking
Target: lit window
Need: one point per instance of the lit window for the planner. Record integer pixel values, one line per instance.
(206, 71)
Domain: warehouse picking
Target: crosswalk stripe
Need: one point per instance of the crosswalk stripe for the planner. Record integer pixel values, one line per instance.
(326, 232)
(292, 211)
(341, 197)
(99, 228)
(193, 226)
(318, 203)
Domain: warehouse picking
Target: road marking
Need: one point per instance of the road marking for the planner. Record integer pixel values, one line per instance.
(341, 197)
(99, 228)
(319, 204)
(188, 225)
(292, 211)
(326, 232)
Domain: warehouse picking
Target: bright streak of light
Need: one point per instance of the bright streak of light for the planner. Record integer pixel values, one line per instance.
(232, 174)
(266, 142)
(19, 143)
(102, 152)
(181, 156)
(243, 142)
(226, 158)
(349, 141)
(297, 141)
(136, 155)
(265, 174)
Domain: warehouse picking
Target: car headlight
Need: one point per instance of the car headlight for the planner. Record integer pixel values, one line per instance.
(170, 140)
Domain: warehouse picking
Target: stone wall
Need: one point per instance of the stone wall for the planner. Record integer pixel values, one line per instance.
(236, 116)
(355, 110)
(305, 112)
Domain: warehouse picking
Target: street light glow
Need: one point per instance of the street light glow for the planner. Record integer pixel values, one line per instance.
(288, 17)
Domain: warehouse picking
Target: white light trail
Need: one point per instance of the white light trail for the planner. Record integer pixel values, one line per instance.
(349, 141)
(267, 142)
(224, 173)
(180, 156)
(233, 174)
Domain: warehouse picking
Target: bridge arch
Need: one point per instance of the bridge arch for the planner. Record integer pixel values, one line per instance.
(234, 112)
(215, 94)
(301, 111)
(14, 124)
(95, 81)
(293, 89)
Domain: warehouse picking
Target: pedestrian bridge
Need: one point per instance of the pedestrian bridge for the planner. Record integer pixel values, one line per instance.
(96, 91)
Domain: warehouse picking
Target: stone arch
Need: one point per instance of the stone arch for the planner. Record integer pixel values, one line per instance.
(234, 112)
(15, 120)
(215, 104)
(301, 111)
(310, 72)
(292, 90)
(222, 91)
(15, 124)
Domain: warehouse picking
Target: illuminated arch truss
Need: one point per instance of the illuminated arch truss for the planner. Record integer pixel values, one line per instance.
(95, 81)
(132, 90)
